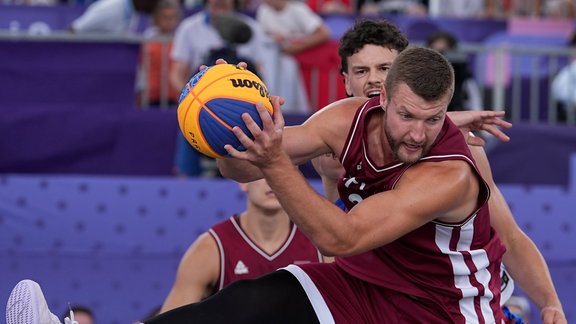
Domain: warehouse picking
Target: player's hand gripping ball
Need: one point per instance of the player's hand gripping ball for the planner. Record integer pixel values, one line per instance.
(213, 102)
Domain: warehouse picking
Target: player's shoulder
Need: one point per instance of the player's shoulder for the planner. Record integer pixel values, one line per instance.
(454, 171)
(347, 106)
(337, 116)
(204, 244)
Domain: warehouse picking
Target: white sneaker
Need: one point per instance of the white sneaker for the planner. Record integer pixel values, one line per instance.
(27, 305)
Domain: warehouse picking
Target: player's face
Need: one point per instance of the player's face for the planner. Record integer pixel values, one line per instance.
(167, 20)
(261, 196)
(367, 70)
(411, 124)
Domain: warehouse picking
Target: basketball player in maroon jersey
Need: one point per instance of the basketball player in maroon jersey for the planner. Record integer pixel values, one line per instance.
(255, 242)
(416, 244)
(367, 51)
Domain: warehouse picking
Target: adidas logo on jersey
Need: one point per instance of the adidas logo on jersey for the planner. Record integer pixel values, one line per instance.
(240, 268)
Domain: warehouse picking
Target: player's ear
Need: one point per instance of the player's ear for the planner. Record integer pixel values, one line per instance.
(347, 85)
(383, 97)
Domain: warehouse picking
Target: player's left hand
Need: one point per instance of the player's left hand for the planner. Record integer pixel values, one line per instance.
(266, 147)
(488, 121)
(553, 315)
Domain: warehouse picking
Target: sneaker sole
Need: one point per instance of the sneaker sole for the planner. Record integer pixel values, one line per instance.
(20, 309)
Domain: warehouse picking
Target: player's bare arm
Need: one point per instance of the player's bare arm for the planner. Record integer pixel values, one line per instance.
(521, 252)
(396, 212)
(384, 217)
(320, 134)
(197, 274)
(381, 218)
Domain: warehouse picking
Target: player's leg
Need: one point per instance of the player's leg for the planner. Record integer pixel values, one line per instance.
(274, 298)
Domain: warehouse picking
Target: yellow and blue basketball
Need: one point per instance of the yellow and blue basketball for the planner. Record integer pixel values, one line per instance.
(212, 103)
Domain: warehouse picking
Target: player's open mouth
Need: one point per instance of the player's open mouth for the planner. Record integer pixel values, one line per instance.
(374, 93)
(412, 147)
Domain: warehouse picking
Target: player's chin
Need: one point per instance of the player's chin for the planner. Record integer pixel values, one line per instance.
(410, 156)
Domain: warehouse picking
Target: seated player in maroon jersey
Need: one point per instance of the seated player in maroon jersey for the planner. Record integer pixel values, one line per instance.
(257, 241)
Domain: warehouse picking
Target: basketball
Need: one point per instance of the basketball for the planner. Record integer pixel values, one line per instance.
(213, 102)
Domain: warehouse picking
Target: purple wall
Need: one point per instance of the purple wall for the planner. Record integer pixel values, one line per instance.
(114, 242)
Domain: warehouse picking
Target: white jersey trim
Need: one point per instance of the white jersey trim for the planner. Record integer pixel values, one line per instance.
(462, 272)
(257, 248)
(356, 121)
(320, 307)
(222, 263)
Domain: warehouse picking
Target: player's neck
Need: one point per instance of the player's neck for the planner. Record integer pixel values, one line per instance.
(377, 143)
(268, 231)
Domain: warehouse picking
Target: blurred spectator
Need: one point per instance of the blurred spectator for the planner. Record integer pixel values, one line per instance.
(530, 8)
(564, 85)
(82, 314)
(195, 39)
(392, 7)
(559, 9)
(295, 28)
(457, 8)
(155, 91)
(112, 16)
(234, 32)
(467, 94)
(331, 7)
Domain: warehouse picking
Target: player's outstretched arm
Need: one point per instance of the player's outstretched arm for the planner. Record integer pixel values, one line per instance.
(197, 274)
(522, 258)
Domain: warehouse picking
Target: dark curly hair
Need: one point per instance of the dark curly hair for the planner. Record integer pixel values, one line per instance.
(374, 32)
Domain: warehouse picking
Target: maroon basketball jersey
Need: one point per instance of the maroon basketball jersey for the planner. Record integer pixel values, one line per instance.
(241, 258)
(456, 266)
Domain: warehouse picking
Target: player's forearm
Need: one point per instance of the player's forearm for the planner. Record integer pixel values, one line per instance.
(322, 221)
(530, 271)
(238, 170)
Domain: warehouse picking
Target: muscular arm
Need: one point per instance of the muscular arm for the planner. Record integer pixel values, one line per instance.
(301, 143)
(373, 222)
(337, 233)
(521, 253)
(197, 274)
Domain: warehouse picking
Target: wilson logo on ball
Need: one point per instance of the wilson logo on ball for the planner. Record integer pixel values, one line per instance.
(241, 83)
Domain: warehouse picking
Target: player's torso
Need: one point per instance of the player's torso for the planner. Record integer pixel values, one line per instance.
(241, 258)
(449, 253)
